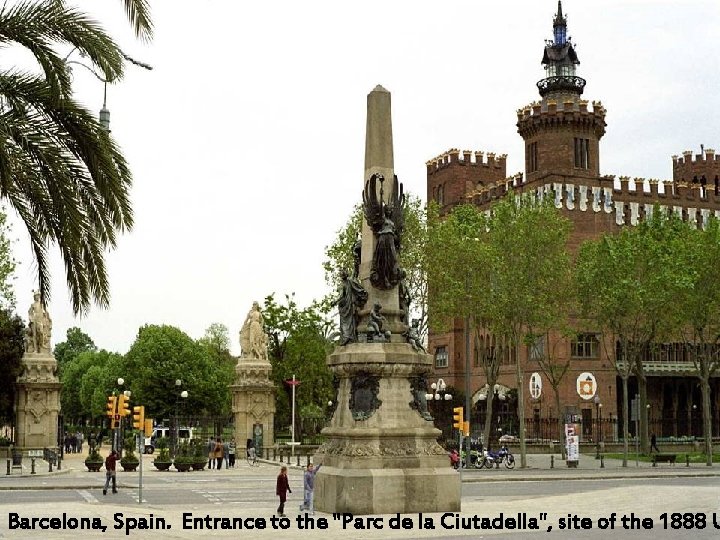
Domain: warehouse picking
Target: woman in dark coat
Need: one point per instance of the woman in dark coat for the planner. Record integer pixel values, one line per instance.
(281, 490)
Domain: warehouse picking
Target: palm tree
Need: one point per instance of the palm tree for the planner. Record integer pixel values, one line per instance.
(61, 172)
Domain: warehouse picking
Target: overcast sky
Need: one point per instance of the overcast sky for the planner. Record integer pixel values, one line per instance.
(246, 140)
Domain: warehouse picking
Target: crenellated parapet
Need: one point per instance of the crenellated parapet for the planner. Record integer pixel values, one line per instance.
(473, 158)
(549, 114)
(455, 173)
(702, 168)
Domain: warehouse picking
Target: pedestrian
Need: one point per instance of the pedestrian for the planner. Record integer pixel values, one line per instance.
(250, 450)
(110, 463)
(308, 488)
(226, 454)
(282, 489)
(232, 448)
(80, 439)
(211, 452)
(653, 444)
(218, 453)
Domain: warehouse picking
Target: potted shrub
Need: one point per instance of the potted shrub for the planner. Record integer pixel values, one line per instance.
(183, 459)
(129, 460)
(199, 454)
(94, 461)
(162, 462)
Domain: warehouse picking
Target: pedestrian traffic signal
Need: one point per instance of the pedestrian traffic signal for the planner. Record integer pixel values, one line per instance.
(123, 405)
(139, 417)
(458, 418)
(149, 427)
(111, 406)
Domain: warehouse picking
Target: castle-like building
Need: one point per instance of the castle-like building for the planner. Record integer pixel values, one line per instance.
(562, 133)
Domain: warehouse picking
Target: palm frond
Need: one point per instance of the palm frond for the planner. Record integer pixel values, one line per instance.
(138, 13)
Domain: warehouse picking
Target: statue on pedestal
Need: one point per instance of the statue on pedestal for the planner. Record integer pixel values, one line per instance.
(39, 330)
(351, 296)
(253, 340)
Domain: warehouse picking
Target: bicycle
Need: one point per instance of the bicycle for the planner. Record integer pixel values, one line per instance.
(251, 457)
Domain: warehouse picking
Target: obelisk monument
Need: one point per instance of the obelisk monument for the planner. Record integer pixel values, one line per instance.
(381, 455)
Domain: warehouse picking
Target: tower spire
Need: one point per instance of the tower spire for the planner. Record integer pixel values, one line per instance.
(560, 60)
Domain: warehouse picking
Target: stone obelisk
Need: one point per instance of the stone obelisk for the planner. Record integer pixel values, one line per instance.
(381, 455)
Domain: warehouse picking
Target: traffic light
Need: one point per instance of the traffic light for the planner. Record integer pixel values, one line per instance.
(123, 405)
(458, 418)
(139, 417)
(466, 428)
(149, 427)
(111, 406)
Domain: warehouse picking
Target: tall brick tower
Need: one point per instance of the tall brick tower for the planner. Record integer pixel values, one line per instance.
(561, 136)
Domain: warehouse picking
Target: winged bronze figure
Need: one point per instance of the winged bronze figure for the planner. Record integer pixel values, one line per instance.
(386, 221)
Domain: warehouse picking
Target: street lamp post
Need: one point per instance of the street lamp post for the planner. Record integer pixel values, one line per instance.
(597, 426)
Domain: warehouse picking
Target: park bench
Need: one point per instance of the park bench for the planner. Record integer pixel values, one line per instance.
(663, 458)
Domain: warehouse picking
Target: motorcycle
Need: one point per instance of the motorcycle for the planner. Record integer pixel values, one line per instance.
(497, 458)
(477, 459)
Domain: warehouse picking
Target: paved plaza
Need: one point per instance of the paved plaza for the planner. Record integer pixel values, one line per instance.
(186, 504)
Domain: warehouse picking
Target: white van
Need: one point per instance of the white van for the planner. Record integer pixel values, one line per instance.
(184, 434)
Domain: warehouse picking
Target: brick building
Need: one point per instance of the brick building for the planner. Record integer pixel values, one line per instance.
(562, 134)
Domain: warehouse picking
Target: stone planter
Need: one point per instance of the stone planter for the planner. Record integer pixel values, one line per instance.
(162, 465)
(199, 465)
(129, 466)
(182, 466)
(93, 466)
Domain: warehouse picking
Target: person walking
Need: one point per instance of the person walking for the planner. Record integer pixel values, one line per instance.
(653, 444)
(110, 463)
(226, 454)
(282, 488)
(250, 450)
(232, 448)
(218, 453)
(211, 452)
(308, 488)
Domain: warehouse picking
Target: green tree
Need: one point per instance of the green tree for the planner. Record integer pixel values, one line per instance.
(519, 263)
(625, 283)
(698, 311)
(59, 169)
(12, 347)
(76, 342)
(159, 356)
(138, 13)
(339, 255)
(298, 345)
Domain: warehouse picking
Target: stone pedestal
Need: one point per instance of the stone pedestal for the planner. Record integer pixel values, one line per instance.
(38, 406)
(381, 455)
(253, 401)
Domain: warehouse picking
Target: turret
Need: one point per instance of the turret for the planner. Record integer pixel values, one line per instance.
(562, 135)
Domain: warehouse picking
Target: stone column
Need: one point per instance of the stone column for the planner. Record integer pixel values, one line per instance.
(253, 402)
(38, 387)
(381, 454)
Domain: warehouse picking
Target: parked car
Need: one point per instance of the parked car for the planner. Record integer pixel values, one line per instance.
(506, 439)
(184, 434)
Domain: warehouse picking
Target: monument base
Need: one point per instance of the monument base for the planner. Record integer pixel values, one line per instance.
(387, 491)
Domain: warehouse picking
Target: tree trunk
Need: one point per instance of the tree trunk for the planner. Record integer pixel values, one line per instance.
(707, 415)
(626, 418)
(488, 414)
(642, 411)
(520, 404)
(561, 423)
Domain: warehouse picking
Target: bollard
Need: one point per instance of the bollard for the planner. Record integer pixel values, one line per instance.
(602, 462)
(298, 460)
(687, 460)
(59, 461)
(308, 460)
(8, 464)
(274, 454)
(32, 466)
(552, 461)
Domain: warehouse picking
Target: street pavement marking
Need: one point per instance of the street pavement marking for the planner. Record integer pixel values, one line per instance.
(89, 497)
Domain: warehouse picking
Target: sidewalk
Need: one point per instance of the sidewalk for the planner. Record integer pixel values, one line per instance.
(76, 476)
